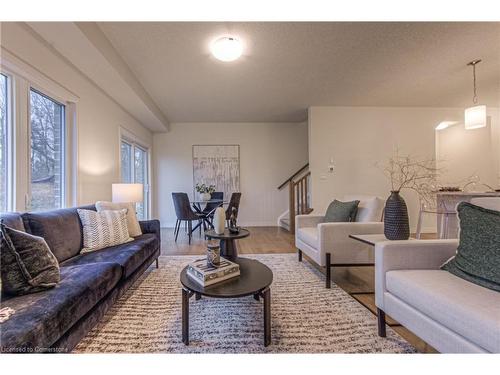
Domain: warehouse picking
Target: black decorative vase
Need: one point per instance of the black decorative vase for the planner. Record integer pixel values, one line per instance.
(396, 223)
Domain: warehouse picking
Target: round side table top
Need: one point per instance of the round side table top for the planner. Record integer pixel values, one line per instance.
(227, 235)
(254, 277)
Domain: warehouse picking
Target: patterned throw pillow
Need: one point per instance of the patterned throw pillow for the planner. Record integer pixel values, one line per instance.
(478, 254)
(26, 263)
(341, 212)
(134, 229)
(103, 229)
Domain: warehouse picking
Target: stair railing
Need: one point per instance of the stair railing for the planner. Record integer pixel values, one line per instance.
(299, 195)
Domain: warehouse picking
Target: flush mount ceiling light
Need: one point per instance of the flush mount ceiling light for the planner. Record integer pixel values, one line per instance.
(475, 116)
(445, 124)
(226, 48)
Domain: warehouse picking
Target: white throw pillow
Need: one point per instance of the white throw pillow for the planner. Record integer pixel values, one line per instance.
(103, 229)
(370, 208)
(134, 229)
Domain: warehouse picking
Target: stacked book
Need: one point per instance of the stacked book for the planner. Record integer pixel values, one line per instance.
(206, 274)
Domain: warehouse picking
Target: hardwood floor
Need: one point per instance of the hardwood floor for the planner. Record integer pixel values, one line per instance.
(357, 281)
(262, 240)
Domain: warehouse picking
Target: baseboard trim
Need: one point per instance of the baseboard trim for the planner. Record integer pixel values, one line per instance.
(243, 224)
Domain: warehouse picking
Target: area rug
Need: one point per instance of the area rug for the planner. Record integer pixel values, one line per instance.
(306, 317)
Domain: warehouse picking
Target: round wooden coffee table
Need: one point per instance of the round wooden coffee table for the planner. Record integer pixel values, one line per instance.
(228, 245)
(254, 280)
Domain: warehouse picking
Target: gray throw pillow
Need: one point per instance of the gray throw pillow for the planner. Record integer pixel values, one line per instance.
(342, 212)
(478, 254)
(27, 264)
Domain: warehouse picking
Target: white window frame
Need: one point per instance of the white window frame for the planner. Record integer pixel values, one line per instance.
(64, 199)
(10, 144)
(23, 78)
(129, 137)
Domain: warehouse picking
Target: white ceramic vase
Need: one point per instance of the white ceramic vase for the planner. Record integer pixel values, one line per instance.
(205, 196)
(219, 220)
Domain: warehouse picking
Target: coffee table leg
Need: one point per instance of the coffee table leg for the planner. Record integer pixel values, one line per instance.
(185, 316)
(266, 294)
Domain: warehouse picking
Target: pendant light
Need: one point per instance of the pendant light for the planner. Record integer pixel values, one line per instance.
(475, 116)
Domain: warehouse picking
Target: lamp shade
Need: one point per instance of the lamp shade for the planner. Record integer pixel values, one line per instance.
(125, 193)
(475, 117)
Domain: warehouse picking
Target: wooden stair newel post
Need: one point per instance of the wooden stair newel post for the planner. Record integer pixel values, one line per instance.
(291, 205)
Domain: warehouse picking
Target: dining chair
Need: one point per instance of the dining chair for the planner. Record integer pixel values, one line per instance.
(234, 202)
(442, 212)
(184, 213)
(210, 208)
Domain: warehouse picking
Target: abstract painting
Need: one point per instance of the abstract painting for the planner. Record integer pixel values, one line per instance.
(217, 165)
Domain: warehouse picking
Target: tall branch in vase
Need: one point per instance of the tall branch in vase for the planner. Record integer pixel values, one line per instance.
(412, 173)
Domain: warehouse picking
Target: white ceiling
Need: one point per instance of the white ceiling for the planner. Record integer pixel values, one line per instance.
(288, 67)
(88, 49)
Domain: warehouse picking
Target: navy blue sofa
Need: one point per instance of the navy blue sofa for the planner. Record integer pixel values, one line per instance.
(56, 319)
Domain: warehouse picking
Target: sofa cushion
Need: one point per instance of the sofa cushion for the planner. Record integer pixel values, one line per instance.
(134, 229)
(60, 228)
(478, 253)
(129, 255)
(309, 235)
(41, 318)
(370, 208)
(26, 263)
(341, 212)
(465, 308)
(13, 220)
(103, 229)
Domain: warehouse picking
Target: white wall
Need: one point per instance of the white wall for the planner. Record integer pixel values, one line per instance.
(98, 117)
(463, 153)
(358, 137)
(269, 153)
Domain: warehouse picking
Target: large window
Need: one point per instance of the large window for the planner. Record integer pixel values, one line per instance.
(46, 152)
(134, 169)
(4, 143)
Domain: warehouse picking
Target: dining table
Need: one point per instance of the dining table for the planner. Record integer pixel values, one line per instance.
(199, 206)
(448, 227)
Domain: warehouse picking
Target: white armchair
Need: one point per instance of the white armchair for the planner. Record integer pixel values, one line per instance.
(449, 313)
(328, 244)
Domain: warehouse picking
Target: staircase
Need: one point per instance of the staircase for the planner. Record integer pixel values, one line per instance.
(299, 200)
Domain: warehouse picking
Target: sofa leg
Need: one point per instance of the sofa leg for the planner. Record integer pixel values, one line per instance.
(381, 322)
(328, 271)
(157, 263)
(300, 255)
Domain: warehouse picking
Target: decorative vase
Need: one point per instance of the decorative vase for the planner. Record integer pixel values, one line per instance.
(213, 254)
(205, 196)
(396, 223)
(219, 220)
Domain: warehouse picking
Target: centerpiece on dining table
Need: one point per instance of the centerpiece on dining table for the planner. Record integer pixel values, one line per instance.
(205, 191)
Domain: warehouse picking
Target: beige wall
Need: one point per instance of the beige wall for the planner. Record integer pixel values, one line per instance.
(98, 117)
(358, 137)
(464, 153)
(269, 153)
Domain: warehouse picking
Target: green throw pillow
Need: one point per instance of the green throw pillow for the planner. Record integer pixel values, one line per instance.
(26, 263)
(341, 212)
(478, 254)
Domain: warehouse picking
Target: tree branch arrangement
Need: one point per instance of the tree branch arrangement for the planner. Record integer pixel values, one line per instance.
(413, 173)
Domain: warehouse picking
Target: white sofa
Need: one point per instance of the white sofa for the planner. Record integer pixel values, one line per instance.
(328, 244)
(451, 314)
